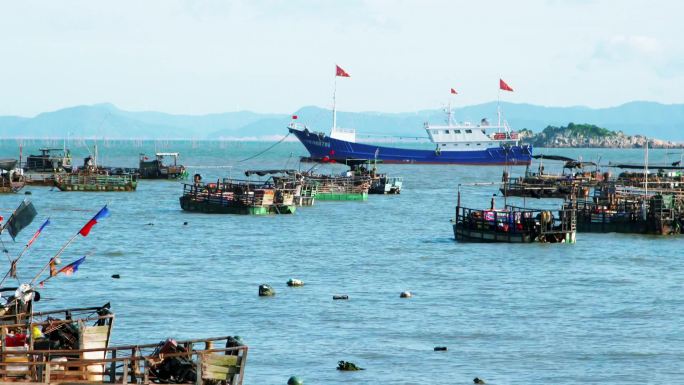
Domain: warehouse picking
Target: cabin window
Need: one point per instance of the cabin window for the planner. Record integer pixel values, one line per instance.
(446, 131)
(457, 131)
(443, 144)
(479, 144)
(469, 131)
(467, 144)
(483, 131)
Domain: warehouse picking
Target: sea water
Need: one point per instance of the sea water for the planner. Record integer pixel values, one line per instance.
(607, 309)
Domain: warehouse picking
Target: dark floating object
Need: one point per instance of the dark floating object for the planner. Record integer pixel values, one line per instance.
(234, 342)
(405, 294)
(185, 223)
(293, 282)
(150, 224)
(342, 296)
(478, 380)
(27, 193)
(116, 276)
(294, 380)
(266, 291)
(441, 348)
(347, 366)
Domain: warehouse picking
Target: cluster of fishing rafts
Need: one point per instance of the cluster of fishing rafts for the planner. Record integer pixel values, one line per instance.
(73, 345)
(638, 201)
(53, 167)
(284, 190)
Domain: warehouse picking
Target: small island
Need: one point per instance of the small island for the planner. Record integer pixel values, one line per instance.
(589, 135)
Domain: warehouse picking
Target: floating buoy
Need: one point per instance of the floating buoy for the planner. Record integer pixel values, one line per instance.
(27, 193)
(477, 380)
(340, 296)
(266, 291)
(116, 276)
(150, 224)
(294, 380)
(440, 348)
(185, 223)
(405, 294)
(293, 282)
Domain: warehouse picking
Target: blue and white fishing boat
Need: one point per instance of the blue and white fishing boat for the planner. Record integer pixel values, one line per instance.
(455, 143)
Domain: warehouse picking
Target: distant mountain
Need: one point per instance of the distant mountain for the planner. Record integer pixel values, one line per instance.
(663, 121)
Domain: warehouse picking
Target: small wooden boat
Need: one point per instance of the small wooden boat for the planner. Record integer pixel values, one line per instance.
(541, 184)
(293, 180)
(626, 209)
(513, 225)
(380, 183)
(94, 178)
(72, 346)
(237, 197)
(156, 169)
(50, 160)
(348, 187)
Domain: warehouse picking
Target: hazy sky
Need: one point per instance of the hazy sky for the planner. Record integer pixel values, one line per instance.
(276, 56)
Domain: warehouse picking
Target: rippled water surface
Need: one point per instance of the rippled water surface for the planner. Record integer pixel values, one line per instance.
(607, 309)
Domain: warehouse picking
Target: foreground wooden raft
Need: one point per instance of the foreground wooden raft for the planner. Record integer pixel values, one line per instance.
(200, 361)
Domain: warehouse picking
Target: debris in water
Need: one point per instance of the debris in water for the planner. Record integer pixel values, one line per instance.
(116, 276)
(347, 366)
(293, 282)
(342, 296)
(477, 380)
(294, 380)
(405, 294)
(440, 348)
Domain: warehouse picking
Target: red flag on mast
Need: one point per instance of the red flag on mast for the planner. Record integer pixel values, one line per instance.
(340, 72)
(453, 91)
(503, 86)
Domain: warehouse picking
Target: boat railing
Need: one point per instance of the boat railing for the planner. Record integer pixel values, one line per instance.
(223, 194)
(97, 179)
(213, 360)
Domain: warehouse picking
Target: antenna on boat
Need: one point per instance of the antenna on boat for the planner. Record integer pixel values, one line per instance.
(334, 124)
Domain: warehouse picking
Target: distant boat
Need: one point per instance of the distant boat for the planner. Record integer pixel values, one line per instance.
(463, 143)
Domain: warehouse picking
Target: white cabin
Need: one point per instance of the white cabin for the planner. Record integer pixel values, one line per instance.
(466, 136)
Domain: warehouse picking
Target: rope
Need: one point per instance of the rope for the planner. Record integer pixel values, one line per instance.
(266, 150)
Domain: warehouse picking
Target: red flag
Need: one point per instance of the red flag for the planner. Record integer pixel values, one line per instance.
(340, 72)
(504, 86)
(294, 117)
(453, 91)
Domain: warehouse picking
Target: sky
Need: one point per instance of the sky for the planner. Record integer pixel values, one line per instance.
(204, 56)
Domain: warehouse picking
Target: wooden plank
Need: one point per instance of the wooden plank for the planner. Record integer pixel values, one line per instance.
(220, 360)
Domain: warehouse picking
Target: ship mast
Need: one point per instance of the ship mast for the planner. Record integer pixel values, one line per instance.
(334, 124)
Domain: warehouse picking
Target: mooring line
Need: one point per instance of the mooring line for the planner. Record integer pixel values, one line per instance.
(266, 150)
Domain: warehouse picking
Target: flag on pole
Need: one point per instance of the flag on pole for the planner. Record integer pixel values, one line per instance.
(103, 213)
(453, 91)
(40, 229)
(22, 217)
(71, 268)
(503, 86)
(340, 72)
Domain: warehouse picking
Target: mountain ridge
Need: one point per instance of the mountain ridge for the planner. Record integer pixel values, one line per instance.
(653, 119)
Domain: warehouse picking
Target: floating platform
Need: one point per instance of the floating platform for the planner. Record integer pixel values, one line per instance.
(334, 196)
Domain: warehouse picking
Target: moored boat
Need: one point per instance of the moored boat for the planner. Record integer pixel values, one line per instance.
(94, 178)
(237, 197)
(455, 143)
(156, 169)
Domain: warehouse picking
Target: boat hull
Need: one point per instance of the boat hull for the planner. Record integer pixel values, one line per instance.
(323, 147)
